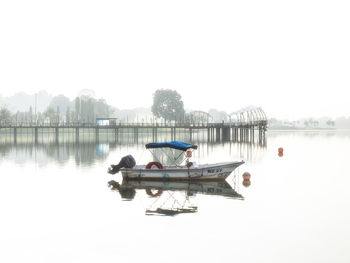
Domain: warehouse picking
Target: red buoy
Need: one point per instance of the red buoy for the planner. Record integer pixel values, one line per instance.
(246, 179)
(246, 176)
(280, 151)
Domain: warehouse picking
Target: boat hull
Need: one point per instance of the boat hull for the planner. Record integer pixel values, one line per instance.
(215, 172)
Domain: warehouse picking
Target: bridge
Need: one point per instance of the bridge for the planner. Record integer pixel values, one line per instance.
(242, 126)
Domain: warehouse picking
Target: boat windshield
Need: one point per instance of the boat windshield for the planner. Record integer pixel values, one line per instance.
(168, 156)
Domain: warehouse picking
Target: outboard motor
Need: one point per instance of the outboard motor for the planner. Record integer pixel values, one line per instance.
(126, 162)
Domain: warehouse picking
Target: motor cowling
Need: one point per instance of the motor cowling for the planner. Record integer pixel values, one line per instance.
(126, 162)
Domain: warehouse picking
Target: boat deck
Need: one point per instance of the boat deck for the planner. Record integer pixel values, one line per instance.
(218, 171)
(184, 167)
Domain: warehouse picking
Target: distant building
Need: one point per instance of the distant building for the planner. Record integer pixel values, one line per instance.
(106, 121)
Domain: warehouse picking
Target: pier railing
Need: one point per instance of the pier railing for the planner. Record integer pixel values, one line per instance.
(132, 125)
(223, 131)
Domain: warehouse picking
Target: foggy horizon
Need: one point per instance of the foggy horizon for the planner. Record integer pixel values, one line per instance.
(94, 94)
(289, 58)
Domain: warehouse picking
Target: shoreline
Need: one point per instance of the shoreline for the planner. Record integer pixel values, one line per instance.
(279, 129)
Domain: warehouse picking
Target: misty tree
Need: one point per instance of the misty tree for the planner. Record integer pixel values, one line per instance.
(311, 123)
(330, 123)
(50, 114)
(30, 114)
(62, 102)
(68, 115)
(5, 115)
(40, 117)
(168, 104)
(86, 109)
(87, 112)
(77, 108)
(102, 109)
(58, 113)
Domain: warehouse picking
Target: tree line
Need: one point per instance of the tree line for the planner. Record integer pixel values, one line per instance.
(83, 109)
(167, 106)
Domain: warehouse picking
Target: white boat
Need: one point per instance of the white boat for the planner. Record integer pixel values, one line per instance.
(177, 152)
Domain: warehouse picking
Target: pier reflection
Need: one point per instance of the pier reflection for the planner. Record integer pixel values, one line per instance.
(172, 198)
(87, 151)
(85, 154)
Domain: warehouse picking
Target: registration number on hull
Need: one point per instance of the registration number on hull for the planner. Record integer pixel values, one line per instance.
(211, 171)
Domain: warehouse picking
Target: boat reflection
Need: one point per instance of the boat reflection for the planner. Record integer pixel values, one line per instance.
(173, 198)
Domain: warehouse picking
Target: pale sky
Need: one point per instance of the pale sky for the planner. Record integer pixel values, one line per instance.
(290, 57)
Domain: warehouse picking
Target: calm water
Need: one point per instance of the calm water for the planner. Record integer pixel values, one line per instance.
(57, 206)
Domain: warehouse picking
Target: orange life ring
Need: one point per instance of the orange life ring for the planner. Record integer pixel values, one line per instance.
(150, 164)
(151, 194)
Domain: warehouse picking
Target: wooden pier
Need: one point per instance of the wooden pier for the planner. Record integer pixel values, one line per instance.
(238, 131)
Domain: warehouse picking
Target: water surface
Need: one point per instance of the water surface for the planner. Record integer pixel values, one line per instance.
(57, 204)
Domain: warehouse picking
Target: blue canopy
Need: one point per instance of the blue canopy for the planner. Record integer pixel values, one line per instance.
(174, 145)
